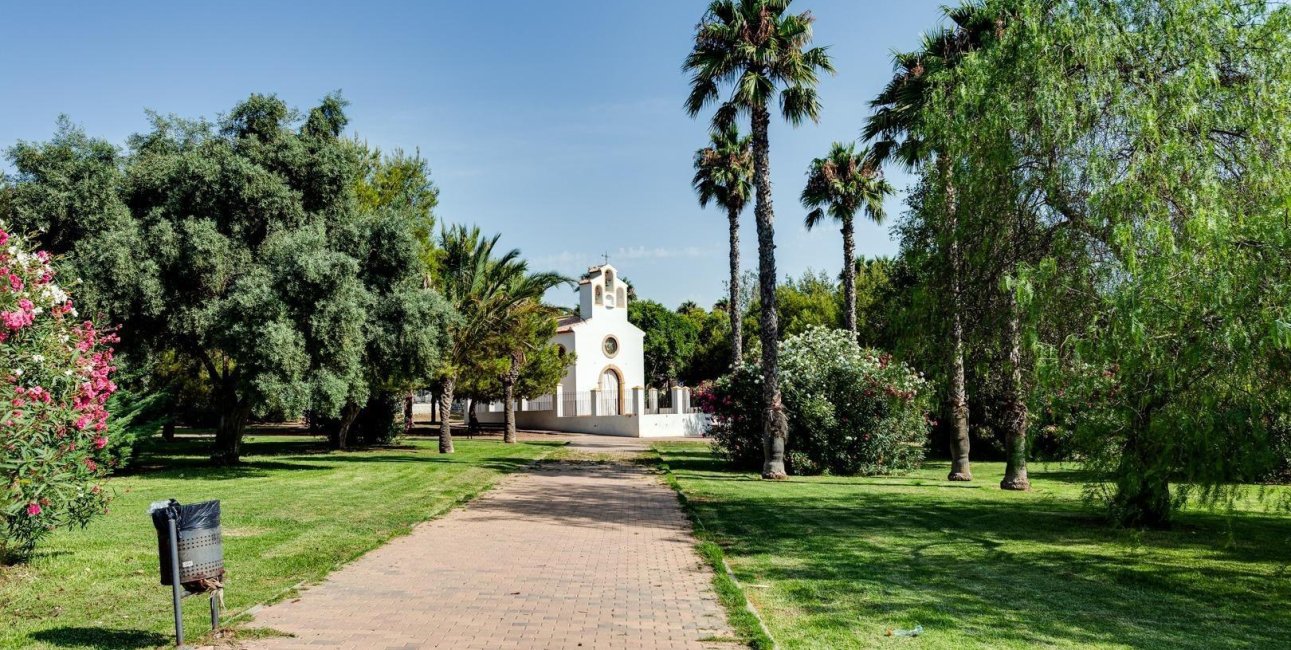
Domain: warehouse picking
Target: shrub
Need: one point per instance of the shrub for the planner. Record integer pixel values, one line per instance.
(137, 415)
(54, 383)
(735, 402)
(851, 410)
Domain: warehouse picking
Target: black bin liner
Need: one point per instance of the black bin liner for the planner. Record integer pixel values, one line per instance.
(201, 553)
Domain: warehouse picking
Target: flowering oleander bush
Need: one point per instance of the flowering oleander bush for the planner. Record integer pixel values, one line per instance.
(54, 385)
(851, 410)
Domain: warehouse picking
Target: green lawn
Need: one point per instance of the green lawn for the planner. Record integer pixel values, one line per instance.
(290, 514)
(832, 562)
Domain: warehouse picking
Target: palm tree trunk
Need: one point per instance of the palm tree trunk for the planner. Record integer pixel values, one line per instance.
(1015, 410)
(737, 325)
(849, 276)
(775, 428)
(960, 468)
(446, 407)
(509, 408)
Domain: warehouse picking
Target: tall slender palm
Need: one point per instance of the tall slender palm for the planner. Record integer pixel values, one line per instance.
(838, 186)
(724, 175)
(484, 289)
(759, 50)
(897, 134)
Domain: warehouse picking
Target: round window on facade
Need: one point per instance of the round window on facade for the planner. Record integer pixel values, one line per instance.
(611, 346)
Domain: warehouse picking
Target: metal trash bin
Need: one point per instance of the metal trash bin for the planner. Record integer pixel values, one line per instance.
(201, 546)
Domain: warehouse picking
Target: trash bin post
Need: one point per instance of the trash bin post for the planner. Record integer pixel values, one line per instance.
(174, 577)
(215, 614)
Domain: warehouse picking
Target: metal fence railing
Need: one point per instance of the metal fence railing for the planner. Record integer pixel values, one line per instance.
(607, 403)
(579, 403)
(575, 404)
(662, 405)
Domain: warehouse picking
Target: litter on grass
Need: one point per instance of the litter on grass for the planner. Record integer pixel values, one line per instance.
(916, 631)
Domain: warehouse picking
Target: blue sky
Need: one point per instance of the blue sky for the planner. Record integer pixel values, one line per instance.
(558, 123)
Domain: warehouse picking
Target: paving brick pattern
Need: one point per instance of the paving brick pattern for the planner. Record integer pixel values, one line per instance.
(567, 555)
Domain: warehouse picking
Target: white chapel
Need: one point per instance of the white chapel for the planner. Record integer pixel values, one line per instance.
(604, 390)
(607, 348)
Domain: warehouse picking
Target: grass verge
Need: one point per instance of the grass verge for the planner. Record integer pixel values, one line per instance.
(835, 562)
(739, 611)
(291, 514)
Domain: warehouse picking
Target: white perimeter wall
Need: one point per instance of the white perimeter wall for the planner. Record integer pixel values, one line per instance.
(634, 426)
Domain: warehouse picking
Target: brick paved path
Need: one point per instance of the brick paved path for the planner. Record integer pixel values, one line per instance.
(566, 555)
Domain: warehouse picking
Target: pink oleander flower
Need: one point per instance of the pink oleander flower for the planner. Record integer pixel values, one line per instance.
(16, 320)
(58, 375)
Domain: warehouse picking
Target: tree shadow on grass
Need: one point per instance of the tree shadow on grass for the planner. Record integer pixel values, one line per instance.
(195, 469)
(191, 453)
(992, 571)
(505, 465)
(97, 637)
(263, 459)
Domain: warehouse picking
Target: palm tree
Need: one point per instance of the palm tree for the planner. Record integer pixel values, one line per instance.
(838, 186)
(759, 50)
(896, 131)
(524, 327)
(484, 289)
(723, 175)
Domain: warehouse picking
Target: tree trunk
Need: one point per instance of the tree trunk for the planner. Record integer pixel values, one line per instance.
(407, 414)
(168, 431)
(1142, 490)
(228, 433)
(960, 468)
(340, 437)
(1015, 407)
(445, 408)
(737, 321)
(775, 427)
(509, 409)
(849, 276)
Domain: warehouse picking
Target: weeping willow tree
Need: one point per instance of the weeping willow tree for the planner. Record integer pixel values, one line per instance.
(1129, 162)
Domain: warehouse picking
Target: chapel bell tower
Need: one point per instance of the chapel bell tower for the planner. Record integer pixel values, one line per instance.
(603, 294)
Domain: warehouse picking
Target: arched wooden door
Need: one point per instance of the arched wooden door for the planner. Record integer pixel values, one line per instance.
(610, 392)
